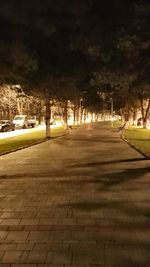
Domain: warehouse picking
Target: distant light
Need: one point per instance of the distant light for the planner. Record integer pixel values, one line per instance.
(88, 120)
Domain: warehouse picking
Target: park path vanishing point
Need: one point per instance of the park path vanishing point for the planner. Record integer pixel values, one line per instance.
(81, 200)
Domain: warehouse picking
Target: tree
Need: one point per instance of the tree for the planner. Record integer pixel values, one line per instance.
(89, 37)
(8, 99)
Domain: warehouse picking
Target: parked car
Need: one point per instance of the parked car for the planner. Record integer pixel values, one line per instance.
(23, 121)
(20, 121)
(6, 125)
(32, 122)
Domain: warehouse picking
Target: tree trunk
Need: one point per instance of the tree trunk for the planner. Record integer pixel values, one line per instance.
(74, 114)
(81, 111)
(142, 110)
(40, 112)
(144, 123)
(18, 106)
(144, 114)
(122, 115)
(9, 113)
(81, 115)
(127, 114)
(66, 114)
(78, 112)
(134, 116)
(85, 115)
(48, 116)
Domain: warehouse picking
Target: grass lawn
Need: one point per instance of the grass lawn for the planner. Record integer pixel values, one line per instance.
(139, 138)
(16, 142)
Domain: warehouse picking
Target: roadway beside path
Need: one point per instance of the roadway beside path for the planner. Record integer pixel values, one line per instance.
(80, 200)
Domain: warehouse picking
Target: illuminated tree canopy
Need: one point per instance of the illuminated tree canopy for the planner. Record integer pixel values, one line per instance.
(43, 43)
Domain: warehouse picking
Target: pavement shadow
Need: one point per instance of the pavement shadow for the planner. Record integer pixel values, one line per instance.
(112, 179)
(34, 175)
(92, 140)
(97, 163)
(104, 182)
(75, 175)
(120, 207)
(91, 137)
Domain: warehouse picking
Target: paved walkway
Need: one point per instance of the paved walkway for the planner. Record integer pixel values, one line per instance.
(81, 200)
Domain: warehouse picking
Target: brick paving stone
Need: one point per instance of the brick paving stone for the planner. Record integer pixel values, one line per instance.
(85, 203)
(43, 246)
(39, 235)
(29, 221)
(3, 235)
(50, 257)
(88, 254)
(17, 236)
(84, 244)
(62, 257)
(62, 216)
(60, 235)
(10, 221)
(11, 257)
(125, 255)
(126, 236)
(24, 265)
(25, 246)
(15, 228)
(143, 236)
(45, 227)
(51, 265)
(1, 254)
(18, 215)
(67, 221)
(26, 209)
(44, 215)
(140, 256)
(5, 210)
(52, 246)
(53, 213)
(35, 257)
(27, 214)
(101, 237)
(30, 227)
(50, 221)
(69, 213)
(62, 228)
(7, 215)
(86, 221)
(83, 265)
(7, 247)
(4, 265)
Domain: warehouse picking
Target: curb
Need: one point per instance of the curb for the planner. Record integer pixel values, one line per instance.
(32, 144)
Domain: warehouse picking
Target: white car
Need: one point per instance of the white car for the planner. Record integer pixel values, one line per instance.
(20, 121)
